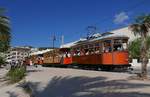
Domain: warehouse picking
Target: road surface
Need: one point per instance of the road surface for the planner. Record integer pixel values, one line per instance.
(65, 82)
(60, 82)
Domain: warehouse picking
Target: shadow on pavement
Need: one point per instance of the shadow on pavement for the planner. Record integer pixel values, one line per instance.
(12, 94)
(87, 87)
(29, 71)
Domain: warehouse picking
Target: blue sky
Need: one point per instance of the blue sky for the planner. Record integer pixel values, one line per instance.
(34, 21)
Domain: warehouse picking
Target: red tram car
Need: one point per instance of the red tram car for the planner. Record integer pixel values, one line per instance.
(107, 52)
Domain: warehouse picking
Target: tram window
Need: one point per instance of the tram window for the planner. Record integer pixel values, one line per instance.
(68, 54)
(86, 50)
(89, 50)
(74, 52)
(92, 51)
(117, 45)
(97, 45)
(78, 52)
(86, 46)
(125, 41)
(82, 52)
(91, 46)
(97, 48)
(107, 46)
(120, 44)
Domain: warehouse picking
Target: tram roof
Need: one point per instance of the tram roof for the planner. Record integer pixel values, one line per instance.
(84, 41)
(110, 36)
(41, 52)
(102, 38)
(68, 45)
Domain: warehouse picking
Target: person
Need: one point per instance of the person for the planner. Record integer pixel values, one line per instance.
(64, 55)
(97, 51)
(82, 52)
(107, 49)
(118, 48)
(79, 53)
(69, 55)
(31, 63)
(87, 53)
(74, 54)
(124, 46)
(42, 59)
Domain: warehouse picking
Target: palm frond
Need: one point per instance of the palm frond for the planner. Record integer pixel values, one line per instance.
(135, 28)
(144, 30)
(146, 18)
(147, 24)
(5, 35)
(142, 26)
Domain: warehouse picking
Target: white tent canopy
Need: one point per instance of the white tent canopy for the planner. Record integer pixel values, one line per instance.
(41, 52)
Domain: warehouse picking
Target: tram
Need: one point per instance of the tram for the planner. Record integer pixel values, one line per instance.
(106, 52)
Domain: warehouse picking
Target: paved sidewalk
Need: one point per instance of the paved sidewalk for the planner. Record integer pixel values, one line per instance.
(60, 82)
(65, 82)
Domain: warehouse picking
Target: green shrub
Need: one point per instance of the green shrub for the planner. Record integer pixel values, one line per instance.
(134, 48)
(16, 74)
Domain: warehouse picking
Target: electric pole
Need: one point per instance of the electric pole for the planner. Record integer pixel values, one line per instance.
(62, 39)
(53, 38)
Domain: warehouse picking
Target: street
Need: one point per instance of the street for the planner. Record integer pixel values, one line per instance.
(62, 82)
(66, 82)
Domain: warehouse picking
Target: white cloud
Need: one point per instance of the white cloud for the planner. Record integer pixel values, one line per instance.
(121, 18)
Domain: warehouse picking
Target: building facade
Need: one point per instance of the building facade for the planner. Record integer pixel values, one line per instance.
(17, 54)
(125, 31)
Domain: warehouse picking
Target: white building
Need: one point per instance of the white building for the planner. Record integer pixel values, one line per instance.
(126, 32)
(17, 54)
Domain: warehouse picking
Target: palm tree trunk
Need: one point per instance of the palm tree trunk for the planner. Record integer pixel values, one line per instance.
(144, 60)
(144, 68)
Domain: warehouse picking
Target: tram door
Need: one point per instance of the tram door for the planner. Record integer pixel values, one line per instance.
(107, 55)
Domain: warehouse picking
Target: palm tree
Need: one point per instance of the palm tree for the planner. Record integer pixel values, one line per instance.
(141, 27)
(5, 35)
